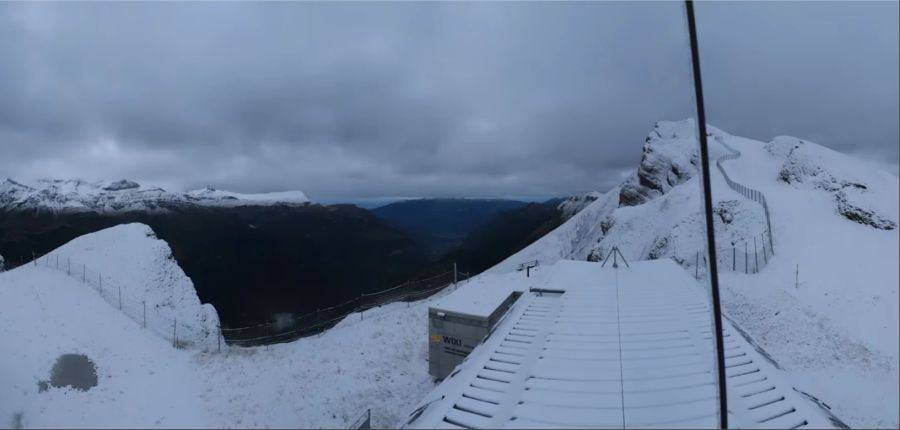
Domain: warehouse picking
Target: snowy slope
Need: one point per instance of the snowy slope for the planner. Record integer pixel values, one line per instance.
(834, 217)
(55, 195)
(834, 336)
(143, 380)
(129, 261)
(375, 360)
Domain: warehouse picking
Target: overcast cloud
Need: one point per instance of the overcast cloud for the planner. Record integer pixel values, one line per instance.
(359, 100)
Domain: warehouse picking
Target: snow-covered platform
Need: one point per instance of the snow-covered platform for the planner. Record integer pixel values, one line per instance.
(626, 347)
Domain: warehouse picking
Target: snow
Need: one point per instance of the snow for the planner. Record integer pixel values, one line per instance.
(228, 198)
(76, 195)
(375, 360)
(143, 380)
(621, 347)
(480, 305)
(837, 334)
(834, 334)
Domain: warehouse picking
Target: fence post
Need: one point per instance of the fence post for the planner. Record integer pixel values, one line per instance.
(120, 298)
(755, 255)
(68, 266)
(361, 310)
(144, 302)
(267, 334)
(219, 337)
(33, 260)
(57, 261)
(83, 272)
(733, 259)
(797, 278)
(454, 273)
(762, 237)
(100, 286)
(746, 259)
(175, 333)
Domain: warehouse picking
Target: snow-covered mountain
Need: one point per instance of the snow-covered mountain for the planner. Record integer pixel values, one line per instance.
(572, 205)
(75, 195)
(825, 306)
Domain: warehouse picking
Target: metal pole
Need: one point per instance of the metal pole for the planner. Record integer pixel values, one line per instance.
(733, 259)
(120, 298)
(175, 333)
(68, 267)
(755, 255)
(454, 273)
(710, 226)
(145, 313)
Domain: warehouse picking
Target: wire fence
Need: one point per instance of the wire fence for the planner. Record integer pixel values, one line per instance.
(152, 316)
(750, 193)
(749, 255)
(312, 323)
(182, 333)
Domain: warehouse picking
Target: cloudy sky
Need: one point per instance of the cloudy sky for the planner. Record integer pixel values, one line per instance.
(360, 100)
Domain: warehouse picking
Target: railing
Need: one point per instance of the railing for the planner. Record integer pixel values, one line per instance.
(312, 323)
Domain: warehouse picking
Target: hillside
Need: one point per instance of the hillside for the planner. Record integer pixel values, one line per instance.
(833, 218)
(834, 333)
(440, 225)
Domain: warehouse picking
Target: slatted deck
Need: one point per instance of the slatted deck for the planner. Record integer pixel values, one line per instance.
(620, 348)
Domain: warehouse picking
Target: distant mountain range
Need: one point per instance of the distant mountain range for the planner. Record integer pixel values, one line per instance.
(76, 195)
(254, 255)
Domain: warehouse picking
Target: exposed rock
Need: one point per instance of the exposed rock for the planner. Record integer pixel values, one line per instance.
(859, 215)
(123, 184)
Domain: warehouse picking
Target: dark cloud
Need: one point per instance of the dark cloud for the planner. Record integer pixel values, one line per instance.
(347, 100)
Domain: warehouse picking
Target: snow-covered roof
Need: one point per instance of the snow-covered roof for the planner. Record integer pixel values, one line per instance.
(627, 347)
(480, 305)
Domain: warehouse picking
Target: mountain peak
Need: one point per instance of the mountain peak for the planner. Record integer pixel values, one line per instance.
(78, 195)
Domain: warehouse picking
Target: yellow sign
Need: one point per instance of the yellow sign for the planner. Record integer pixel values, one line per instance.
(435, 338)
